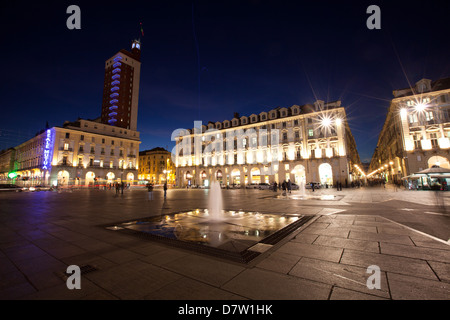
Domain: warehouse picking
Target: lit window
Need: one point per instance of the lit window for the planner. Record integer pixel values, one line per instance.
(66, 146)
(310, 132)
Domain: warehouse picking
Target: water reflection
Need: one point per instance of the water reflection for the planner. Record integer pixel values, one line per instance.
(235, 232)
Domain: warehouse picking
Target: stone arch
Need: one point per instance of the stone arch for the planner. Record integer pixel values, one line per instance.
(235, 176)
(90, 176)
(438, 161)
(255, 174)
(326, 174)
(110, 177)
(130, 177)
(299, 174)
(63, 177)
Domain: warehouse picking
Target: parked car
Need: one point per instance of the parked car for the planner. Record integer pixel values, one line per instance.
(10, 187)
(265, 186)
(252, 186)
(42, 188)
(317, 185)
(294, 186)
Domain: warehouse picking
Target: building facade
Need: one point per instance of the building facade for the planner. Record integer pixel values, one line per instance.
(309, 143)
(121, 88)
(415, 135)
(6, 164)
(156, 166)
(80, 153)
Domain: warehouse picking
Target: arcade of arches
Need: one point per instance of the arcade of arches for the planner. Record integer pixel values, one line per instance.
(325, 173)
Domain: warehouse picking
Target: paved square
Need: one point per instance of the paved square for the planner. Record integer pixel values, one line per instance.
(42, 233)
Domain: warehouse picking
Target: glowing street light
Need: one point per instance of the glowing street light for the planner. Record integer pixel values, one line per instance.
(326, 122)
(420, 107)
(403, 113)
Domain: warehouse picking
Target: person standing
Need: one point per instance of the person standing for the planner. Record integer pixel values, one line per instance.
(165, 189)
(289, 185)
(150, 191)
(275, 186)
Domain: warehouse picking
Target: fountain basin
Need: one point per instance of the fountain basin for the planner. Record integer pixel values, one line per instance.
(237, 235)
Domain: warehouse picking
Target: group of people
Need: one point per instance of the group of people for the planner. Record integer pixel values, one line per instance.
(285, 186)
(150, 191)
(118, 186)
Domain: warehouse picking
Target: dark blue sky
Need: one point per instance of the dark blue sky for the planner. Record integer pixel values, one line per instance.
(252, 56)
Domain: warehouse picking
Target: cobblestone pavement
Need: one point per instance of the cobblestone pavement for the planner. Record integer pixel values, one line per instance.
(404, 233)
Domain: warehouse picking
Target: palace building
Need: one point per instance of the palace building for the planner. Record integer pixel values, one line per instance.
(416, 133)
(156, 166)
(81, 153)
(309, 143)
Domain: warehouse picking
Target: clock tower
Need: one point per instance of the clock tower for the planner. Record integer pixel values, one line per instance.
(136, 48)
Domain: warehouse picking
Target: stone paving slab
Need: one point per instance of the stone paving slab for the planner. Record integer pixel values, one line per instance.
(199, 268)
(415, 288)
(261, 284)
(189, 289)
(338, 274)
(402, 265)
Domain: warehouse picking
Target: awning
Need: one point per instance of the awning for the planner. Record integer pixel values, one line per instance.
(442, 176)
(414, 177)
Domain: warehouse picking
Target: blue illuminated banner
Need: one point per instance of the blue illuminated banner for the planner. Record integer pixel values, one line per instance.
(48, 150)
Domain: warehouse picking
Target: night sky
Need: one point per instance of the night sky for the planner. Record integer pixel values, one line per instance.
(205, 60)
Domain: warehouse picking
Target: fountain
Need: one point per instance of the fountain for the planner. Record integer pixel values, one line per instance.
(302, 188)
(215, 202)
(233, 234)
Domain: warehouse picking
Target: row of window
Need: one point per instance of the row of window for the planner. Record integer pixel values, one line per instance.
(433, 137)
(67, 136)
(113, 129)
(440, 99)
(253, 119)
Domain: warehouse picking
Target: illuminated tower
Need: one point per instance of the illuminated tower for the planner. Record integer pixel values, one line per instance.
(121, 88)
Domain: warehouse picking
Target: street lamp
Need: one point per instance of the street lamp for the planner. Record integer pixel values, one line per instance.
(420, 107)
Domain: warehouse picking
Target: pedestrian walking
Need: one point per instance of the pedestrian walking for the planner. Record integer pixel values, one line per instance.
(275, 186)
(165, 189)
(150, 191)
(284, 187)
(122, 185)
(312, 186)
(289, 185)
